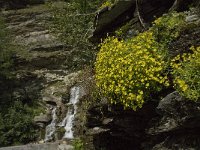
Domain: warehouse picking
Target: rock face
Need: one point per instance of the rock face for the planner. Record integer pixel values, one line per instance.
(167, 124)
(43, 118)
(123, 11)
(49, 146)
(46, 67)
(17, 4)
(179, 122)
(173, 123)
(109, 19)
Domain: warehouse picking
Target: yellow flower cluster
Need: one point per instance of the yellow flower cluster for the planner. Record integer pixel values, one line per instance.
(186, 72)
(127, 71)
(107, 3)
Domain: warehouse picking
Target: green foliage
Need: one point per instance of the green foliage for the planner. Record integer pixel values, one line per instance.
(5, 51)
(107, 3)
(74, 22)
(130, 71)
(168, 27)
(186, 73)
(86, 6)
(78, 144)
(122, 31)
(73, 25)
(16, 126)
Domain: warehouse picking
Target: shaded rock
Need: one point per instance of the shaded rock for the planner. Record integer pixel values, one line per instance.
(122, 127)
(18, 4)
(178, 124)
(51, 100)
(107, 121)
(124, 11)
(46, 146)
(107, 20)
(169, 104)
(177, 141)
(65, 147)
(192, 18)
(177, 114)
(181, 5)
(44, 118)
(185, 112)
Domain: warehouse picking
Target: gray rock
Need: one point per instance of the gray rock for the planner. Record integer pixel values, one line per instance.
(177, 113)
(46, 146)
(107, 121)
(166, 124)
(105, 18)
(43, 118)
(192, 18)
(123, 11)
(65, 147)
(169, 104)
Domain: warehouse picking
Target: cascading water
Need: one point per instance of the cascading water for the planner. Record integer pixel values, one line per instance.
(75, 94)
(72, 109)
(51, 128)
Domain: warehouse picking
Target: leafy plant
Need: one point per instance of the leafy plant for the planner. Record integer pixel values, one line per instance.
(107, 3)
(168, 27)
(73, 26)
(72, 23)
(186, 73)
(129, 71)
(16, 126)
(5, 51)
(78, 144)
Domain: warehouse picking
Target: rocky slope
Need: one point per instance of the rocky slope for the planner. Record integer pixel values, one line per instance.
(167, 124)
(48, 70)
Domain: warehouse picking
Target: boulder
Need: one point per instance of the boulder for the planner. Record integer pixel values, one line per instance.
(140, 16)
(107, 20)
(18, 4)
(178, 124)
(184, 111)
(43, 118)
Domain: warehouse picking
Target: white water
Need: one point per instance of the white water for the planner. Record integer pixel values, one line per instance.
(51, 128)
(75, 94)
(72, 109)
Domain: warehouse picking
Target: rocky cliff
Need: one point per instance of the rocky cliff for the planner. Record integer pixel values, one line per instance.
(167, 124)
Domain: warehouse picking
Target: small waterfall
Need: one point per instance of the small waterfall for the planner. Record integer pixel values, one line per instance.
(51, 128)
(75, 94)
(72, 109)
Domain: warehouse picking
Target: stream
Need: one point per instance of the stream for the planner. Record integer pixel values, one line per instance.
(67, 123)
